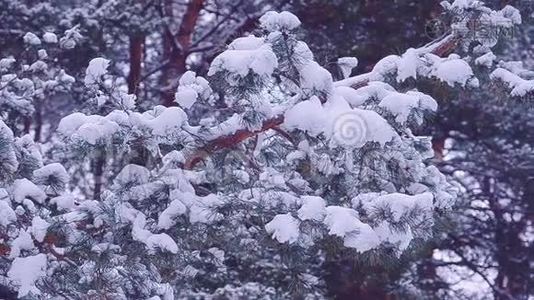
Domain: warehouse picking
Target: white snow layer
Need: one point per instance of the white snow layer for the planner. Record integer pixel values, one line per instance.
(25, 189)
(284, 228)
(283, 21)
(25, 271)
(191, 87)
(7, 214)
(31, 39)
(347, 127)
(50, 38)
(344, 222)
(97, 68)
(520, 87)
(313, 208)
(245, 55)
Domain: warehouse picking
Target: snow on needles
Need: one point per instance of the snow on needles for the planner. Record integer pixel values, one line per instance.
(284, 228)
(96, 69)
(520, 87)
(25, 271)
(244, 55)
(283, 21)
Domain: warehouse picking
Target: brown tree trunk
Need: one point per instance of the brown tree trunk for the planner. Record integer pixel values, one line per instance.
(176, 48)
(27, 125)
(137, 43)
(438, 145)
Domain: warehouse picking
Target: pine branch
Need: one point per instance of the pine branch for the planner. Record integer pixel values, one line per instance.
(440, 47)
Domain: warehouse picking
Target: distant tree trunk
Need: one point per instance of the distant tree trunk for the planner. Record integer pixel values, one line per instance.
(27, 124)
(512, 254)
(137, 43)
(98, 173)
(176, 48)
(438, 145)
(38, 121)
(429, 281)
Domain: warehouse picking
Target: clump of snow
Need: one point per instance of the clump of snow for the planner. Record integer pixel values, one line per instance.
(31, 39)
(352, 96)
(42, 54)
(7, 155)
(401, 105)
(132, 175)
(284, 228)
(357, 127)
(400, 204)
(191, 87)
(63, 202)
(401, 240)
(71, 38)
(365, 239)
(70, 124)
(461, 4)
(303, 52)
(49, 37)
(341, 220)
(314, 78)
(346, 127)
(22, 242)
(25, 189)
(241, 176)
(39, 228)
(91, 129)
(92, 133)
(452, 70)
(384, 67)
(407, 65)
(486, 60)
(313, 208)
(38, 66)
(274, 21)
(202, 210)
(520, 87)
(51, 174)
(167, 120)
(299, 116)
(152, 241)
(344, 222)
(7, 214)
(511, 13)
(166, 218)
(97, 68)
(346, 64)
(272, 178)
(123, 100)
(26, 271)
(6, 63)
(244, 56)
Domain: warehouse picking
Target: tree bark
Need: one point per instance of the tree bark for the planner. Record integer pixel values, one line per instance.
(176, 48)
(38, 121)
(137, 43)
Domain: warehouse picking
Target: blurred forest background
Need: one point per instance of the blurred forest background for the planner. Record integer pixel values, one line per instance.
(484, 249)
